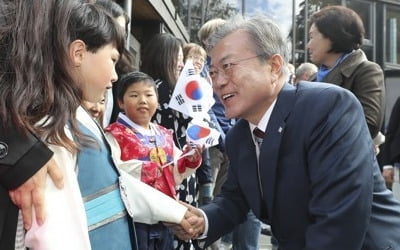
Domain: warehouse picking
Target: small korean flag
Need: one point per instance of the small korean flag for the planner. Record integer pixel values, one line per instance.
(200, 133)
(193, 95)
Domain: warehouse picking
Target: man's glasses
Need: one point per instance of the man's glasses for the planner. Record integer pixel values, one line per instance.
(226, 69)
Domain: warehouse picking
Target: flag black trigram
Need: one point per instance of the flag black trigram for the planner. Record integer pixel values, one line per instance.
(209, 140)
(191, 72)
(197, 108)
(180, 99)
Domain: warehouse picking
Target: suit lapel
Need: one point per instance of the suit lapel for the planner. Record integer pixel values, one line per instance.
(243, 163)
(269, 154)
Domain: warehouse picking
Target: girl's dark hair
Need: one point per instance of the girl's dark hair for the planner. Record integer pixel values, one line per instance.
(342, 26)
(35, 80)
(132, 78)
(96, 27)
(159, 57)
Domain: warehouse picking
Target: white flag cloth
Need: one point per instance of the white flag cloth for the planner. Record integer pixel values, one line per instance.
(193, 95)
(200, 133)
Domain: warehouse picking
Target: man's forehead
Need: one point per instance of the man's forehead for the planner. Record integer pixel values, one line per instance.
(229, 48)
(224, 47)
(238, 40)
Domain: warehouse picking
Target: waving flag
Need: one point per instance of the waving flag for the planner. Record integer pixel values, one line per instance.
(193, 95)
(200, 133)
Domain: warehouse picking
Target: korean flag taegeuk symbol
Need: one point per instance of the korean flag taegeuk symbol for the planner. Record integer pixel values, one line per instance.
(199, 133)
(193, 95)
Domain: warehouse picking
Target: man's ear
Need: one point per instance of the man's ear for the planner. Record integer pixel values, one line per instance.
(276, 62)
(77, 51)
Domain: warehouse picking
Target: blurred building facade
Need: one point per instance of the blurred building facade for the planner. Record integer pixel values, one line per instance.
(149, 17)
(183, 18)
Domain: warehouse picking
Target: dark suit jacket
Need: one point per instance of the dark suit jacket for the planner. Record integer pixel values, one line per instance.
(23, 156)
(319, 184)
(391, 148)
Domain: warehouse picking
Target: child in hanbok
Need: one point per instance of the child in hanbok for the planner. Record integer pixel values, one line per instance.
(135, 137)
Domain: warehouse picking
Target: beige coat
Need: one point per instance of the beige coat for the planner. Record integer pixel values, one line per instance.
(365, 79)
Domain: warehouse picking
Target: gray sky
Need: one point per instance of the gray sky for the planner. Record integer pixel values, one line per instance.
(279, 10)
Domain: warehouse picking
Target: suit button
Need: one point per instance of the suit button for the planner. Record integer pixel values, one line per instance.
(3, 150)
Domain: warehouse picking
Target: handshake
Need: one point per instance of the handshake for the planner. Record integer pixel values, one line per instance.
(191, 226)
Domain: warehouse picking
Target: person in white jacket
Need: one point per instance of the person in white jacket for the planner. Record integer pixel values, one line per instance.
(64, 52)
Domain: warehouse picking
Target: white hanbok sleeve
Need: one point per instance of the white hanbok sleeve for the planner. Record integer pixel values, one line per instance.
(132, 167)
(144, 203)
(65, 226)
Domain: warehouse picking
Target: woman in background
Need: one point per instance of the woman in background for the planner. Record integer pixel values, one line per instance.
(337, 51)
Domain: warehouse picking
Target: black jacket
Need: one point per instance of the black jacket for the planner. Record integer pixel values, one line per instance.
(391, 148)
(21, 156)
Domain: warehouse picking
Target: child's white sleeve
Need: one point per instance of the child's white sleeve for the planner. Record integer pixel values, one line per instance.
(132, 167)
(65, 226)
(148, 205)
(144, 203)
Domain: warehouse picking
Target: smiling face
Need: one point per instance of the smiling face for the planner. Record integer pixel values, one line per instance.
(250, 86)
(96, 72)
(197, 55)
(198, 62)
(139, 103)
(96, 109)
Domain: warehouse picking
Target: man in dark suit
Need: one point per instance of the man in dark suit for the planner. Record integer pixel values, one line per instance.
(390, 155)
(314, 178)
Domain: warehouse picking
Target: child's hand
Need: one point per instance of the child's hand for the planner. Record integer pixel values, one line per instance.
(196, 150)
(191, 157)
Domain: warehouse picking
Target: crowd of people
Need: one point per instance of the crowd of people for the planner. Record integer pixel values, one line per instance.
(93, 157)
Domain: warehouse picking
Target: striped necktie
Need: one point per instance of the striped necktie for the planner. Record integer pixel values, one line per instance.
(258, 136)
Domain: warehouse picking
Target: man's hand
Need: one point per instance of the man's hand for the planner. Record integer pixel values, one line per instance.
(388, 175)
(31, 193)
(191, 226)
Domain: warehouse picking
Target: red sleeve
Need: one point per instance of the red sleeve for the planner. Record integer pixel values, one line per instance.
(184, 163)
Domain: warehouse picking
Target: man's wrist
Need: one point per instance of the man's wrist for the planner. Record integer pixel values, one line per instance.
(387, 167)
(204, 234)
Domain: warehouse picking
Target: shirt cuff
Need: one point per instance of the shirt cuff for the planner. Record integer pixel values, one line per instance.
(204, 234)
(387, 167)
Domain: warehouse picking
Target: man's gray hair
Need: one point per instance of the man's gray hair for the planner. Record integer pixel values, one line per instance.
(308, 68)
(266, 35)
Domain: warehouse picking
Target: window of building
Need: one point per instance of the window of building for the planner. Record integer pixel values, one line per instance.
(303, 11)
(392, 34)
(365, 11)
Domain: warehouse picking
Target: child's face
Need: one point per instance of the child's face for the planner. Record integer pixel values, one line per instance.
(96, 109)
(139, 103)
(97, 72)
